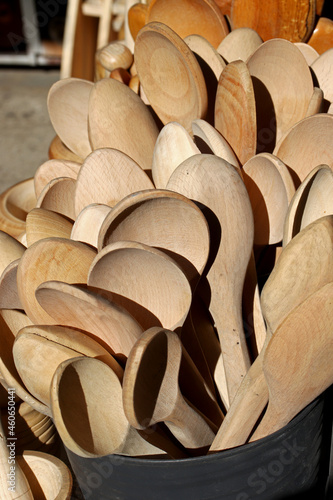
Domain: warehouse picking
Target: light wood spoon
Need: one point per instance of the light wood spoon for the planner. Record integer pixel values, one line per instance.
(132, 272)
(88, 223)
(322, 68)
(67, 104)
(293, 21)
(106, 176)
(306, 145)
(58, 151)
(240, 43)
(9, 298)
(10, 250)
(151, 390)
(282, 81)
(170, 75)
(311, 201)
(52, 169)
(174, 144)
(298, 361)
(81, 385)
(209, 140)
(216, 185)
(164, 220)
(58, 196)
(11, 322)
(80, 307)
(15, 204)
(39, 350)
(308, 52)
(235, 110)
(295, 277)
(51, 259)
(118, 118)
(42, 223)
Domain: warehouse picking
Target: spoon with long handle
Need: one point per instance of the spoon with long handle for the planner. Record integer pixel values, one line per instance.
(298, 361)
(81, 385)
(296, 275)
(80, 307)
(151, 391)
(217, 186)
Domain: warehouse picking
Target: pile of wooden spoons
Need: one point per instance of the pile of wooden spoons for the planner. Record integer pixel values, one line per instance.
(171, 263)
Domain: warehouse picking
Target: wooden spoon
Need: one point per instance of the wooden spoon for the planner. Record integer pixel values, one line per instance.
(9, 298)
(52, 169)
(307, 145)
(58, 196)
(88, 223)
(114, 55)
(79, 307)
(106, 176)
(42, 223)
(216, 185)
(151, 390)
(132, 272)
(46, 473)
(240, 43)
(209, 140)
(308, 52)
(268, 197)
(11, 321)
(282, 81)
(58, 151)
(13, 482)
(205, 52)
(118, 118)
(297, 362)
(322, 68)
(186, 17)
(170, 75)
(79, 386)
(163, 220)
(311, 201)
(15, 204)
(295, 277)
(235, 110)
(67, 104)
(293, 22)
(39, 350)
(10, 250)
(51, 259)
(174, 144)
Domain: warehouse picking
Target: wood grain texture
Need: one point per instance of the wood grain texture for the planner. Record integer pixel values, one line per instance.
(292, 20)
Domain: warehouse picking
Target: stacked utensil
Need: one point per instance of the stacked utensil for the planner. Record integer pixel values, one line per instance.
(165, 277)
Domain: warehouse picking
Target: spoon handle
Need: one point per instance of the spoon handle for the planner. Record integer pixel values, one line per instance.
(189, 426)
(244, 411)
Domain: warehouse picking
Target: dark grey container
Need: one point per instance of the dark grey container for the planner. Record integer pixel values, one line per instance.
(292, 463)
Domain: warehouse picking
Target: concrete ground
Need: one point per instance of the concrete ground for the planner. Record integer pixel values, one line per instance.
(25, 128)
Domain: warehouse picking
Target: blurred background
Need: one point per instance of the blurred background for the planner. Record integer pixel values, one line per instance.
(35, 52)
